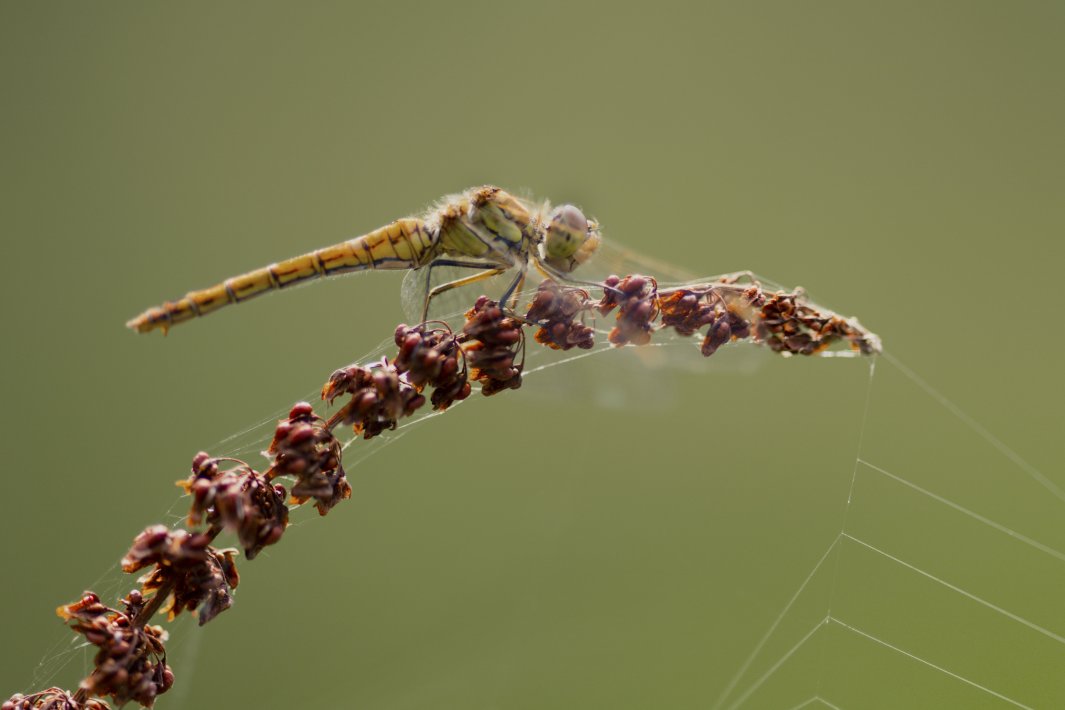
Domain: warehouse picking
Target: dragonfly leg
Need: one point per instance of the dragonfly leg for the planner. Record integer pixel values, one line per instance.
(460, 263)
(514, 289)
(466, 280)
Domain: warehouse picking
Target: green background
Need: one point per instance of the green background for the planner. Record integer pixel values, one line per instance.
(622, 547)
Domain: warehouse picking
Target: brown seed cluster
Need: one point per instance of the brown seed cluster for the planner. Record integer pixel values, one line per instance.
(689, 310)
(729, 312)
(305, 447)
(636, 298)
(493, 341)
(131, 663)
(239, 499)
(379, 397)
(52, 699)
(790, 326)
(559, 313)
(433, 357)
(186, 567)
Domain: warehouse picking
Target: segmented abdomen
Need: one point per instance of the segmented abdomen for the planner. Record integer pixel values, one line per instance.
(404, 244)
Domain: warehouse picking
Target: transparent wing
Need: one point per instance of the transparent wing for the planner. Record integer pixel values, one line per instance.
(649, 377)
(621, 260)
(452, 304)
(613, 258)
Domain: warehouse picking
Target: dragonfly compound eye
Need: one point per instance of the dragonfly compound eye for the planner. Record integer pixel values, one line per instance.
(570, 238)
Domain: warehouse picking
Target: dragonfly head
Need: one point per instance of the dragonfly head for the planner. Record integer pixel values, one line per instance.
(570, 240)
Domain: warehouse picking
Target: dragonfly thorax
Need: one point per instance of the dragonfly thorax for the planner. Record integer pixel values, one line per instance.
(485, 223)
(502, 214)
(570, 238)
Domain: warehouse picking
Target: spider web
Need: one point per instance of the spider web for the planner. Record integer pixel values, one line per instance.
(954, 608)
(968, 620)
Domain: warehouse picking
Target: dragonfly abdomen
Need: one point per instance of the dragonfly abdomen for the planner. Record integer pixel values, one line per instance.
(403, 244)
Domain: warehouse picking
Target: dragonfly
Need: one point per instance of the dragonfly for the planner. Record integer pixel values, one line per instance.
(492, 236)
(485, 231)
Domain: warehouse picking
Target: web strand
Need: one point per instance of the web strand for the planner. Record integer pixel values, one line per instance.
(815, 699)
(977, 427)
(860, 462)
(846, 512)
(773, 627)
(965, 593)
(979, 600)
(1035, 544)
(805, 703)
(777, 665)
(926, 662)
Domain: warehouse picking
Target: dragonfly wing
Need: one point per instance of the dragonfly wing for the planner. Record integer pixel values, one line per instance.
(451, 305)
(612, 258)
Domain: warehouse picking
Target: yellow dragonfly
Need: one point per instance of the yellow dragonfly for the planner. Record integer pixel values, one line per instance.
(484, 229)
(492, 233)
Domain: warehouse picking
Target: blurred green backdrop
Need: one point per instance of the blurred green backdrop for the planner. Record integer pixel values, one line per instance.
(903, 161)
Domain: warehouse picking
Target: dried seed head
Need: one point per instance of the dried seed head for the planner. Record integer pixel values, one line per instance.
(131, 661)
(305, 447)
(636, 298)
(556, 309)
(195, 574)
(452, 390)
(52, 699)
(789, 325)
(492, 343)
(738, 326)
(784, 322)
(239, 499)
(379, 397)
(432, 356)
(718, 334)
(686, 311)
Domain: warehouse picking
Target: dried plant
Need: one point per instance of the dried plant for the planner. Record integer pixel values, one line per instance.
(185, 572)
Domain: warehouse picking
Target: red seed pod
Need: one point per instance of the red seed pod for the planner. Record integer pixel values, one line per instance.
(789, 325)
(740, 327)
(304, 446)
(239, 499)
(196, 574)
(52, 699)
(346, 380)
(301, 410)
(427, 356)
(445, 396)
(685, 311)
(718, 334)
(556, 309)
(379, 397)
(200, 460)
(131, 661)
(636, 298)
(86, 609)
(801, 344)
(492, 342)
